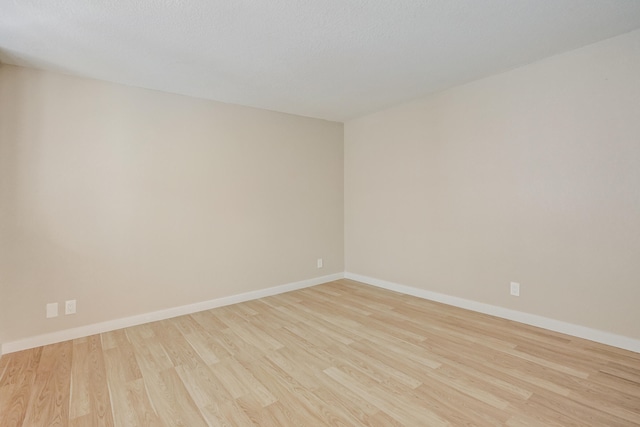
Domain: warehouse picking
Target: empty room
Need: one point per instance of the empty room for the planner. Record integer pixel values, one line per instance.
(320, 213)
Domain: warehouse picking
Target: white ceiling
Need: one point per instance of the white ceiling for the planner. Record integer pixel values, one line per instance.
(331, 59)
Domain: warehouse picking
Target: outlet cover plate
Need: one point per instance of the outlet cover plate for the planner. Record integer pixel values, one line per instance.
(515, 289)
(70, 306)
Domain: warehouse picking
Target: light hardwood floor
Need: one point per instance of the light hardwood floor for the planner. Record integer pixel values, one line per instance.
(339, 354)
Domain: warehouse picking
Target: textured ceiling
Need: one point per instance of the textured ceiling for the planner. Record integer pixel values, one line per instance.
(331, 59)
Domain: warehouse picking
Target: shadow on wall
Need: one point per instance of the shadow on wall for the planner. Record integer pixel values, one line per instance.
(21, 137)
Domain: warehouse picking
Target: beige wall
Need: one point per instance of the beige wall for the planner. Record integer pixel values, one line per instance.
(131, 201)
(532, 176)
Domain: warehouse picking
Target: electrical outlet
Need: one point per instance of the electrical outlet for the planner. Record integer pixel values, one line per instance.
(515, 289)
(320, 263)
(52, 310)
(70, 306)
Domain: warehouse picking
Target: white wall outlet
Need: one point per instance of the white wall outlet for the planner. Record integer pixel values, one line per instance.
(70, 306)
(52, 310)
(320, 264)
(515, 289)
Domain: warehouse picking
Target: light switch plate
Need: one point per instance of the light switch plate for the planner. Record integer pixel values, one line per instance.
(52, 310)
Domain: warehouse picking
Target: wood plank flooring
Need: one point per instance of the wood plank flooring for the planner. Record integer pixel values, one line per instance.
(338, 354)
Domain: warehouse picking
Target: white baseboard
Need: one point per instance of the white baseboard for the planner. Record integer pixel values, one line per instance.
(608, 338)
(518, 316)
(111, 325)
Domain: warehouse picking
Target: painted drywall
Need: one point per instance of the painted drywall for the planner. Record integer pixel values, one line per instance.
(530, 176)
(131, 200)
